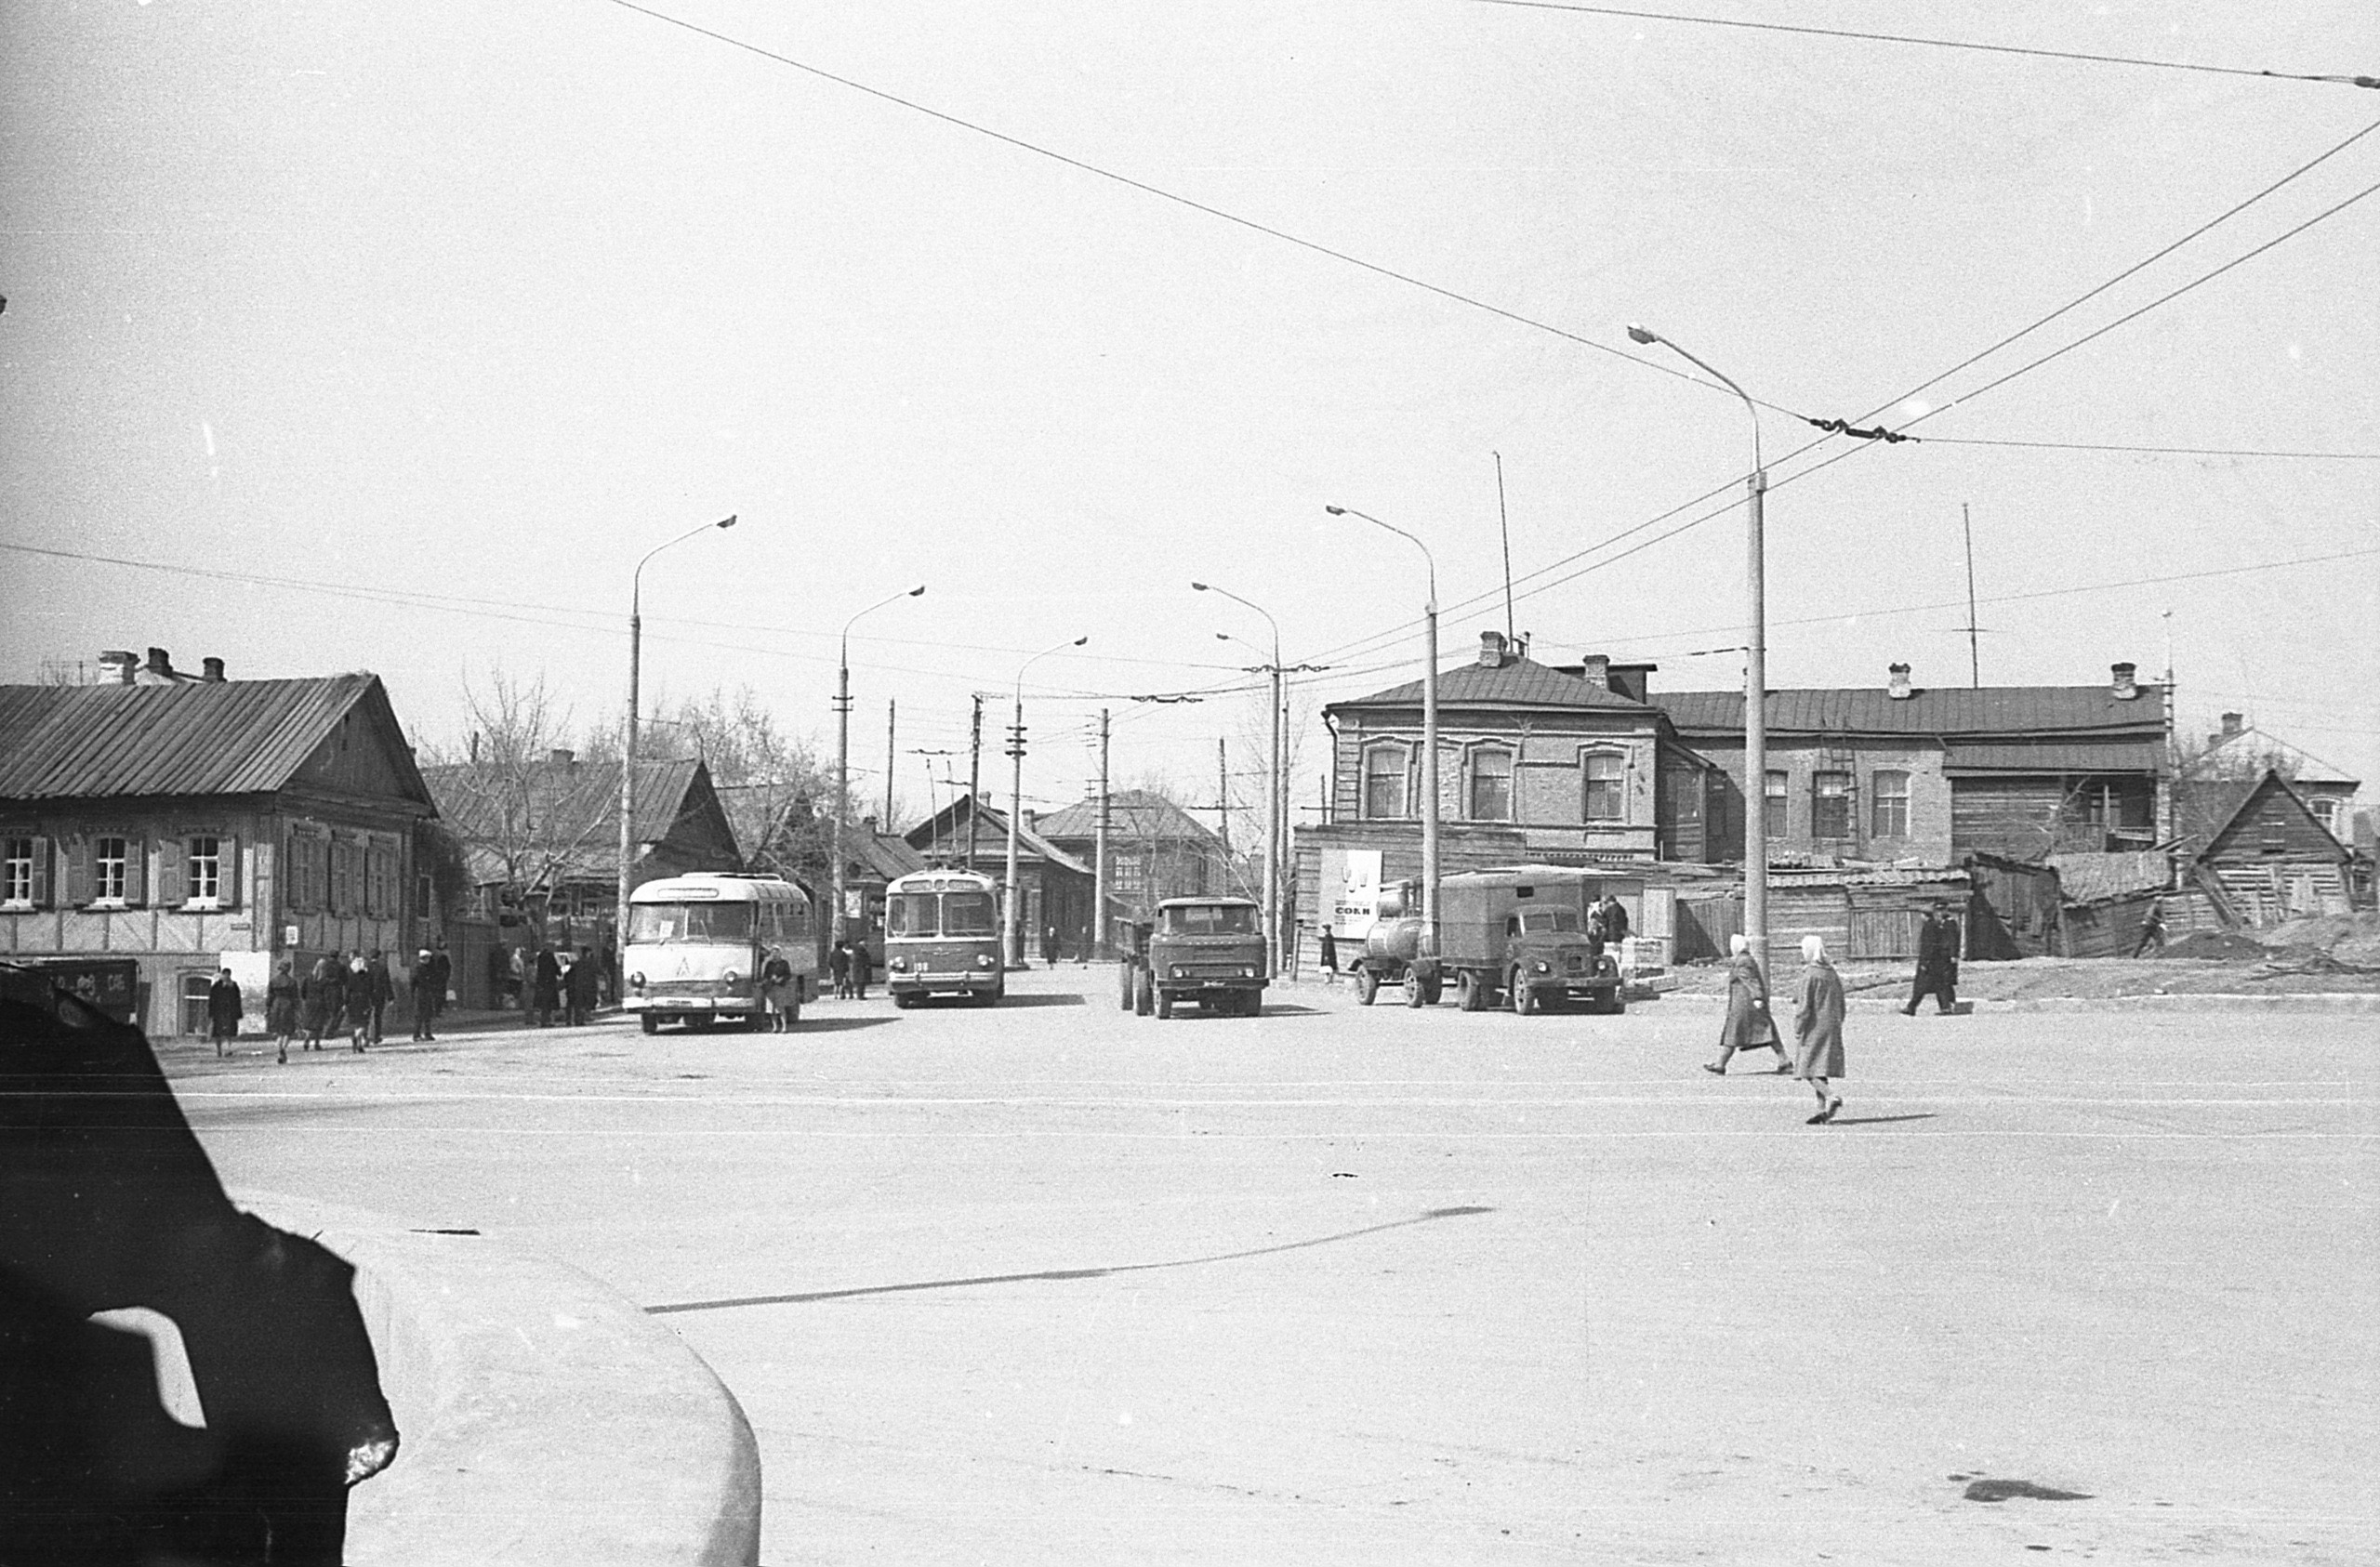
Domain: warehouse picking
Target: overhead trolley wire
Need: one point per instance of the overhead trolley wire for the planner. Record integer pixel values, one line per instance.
(2072, 55)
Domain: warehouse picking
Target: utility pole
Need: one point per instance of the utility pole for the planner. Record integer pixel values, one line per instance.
(974, 777)
(1975, 650)
(1223, 794)
(890, 763)
(1098, 850)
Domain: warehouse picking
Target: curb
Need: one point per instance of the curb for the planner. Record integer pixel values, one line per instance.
(2351, 1002)
(544, 1417)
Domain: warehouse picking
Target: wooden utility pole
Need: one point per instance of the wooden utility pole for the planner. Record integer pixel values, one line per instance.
(1975, 649)
(974, 777)
(891, 760)
(1223, 798)
(1098, 850)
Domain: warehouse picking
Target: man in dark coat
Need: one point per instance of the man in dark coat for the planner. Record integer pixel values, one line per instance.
(324, 994)
(545, 987)
(1613, 918)
(424, 994)
(838, 963)
(384, 991)
(1937, 965)
(440, 974)
(223, 1010)
(586, 987)
(861, 967)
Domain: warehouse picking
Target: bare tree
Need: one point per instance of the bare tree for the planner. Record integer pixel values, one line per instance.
(526, 800)
(770, 784)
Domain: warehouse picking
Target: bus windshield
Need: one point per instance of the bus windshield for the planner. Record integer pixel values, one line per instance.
(961, 914)
(1211, 919)
(658, 924)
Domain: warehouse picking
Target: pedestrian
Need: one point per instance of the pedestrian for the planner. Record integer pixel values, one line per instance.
(1937, 966)
(1082, 946)
(361, 1002)
(1817, 1028)
(1615, 920)
(326, 995)
(223, 1011)
(1328, 957)
(283, 999)
(424, 994)
(839, 964)
(583, 987)
(1049, 944)
(2152, 932)
(776, 981)
(442, 975)
(384, 991)
(861, 966)
(545, 986)
(1748, 1023)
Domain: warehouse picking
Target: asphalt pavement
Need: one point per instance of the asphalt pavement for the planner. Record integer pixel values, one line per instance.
(1049, 1283)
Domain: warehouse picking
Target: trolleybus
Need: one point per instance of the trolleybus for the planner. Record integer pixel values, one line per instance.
(699, 947)
(942, 936)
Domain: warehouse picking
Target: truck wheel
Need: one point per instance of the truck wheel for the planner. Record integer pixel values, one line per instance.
(1144, 994)
(1164, 1004)
(1432, 987)
(1124, 986)
(1524, 999)
(652, 1024)
(1413, 987)
(1471, 991)
(1366, 986)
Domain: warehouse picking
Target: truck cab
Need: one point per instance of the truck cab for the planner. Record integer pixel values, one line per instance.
(1520, 936)
(1209, 951)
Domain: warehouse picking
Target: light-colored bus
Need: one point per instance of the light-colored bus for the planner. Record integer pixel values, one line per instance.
(699, 945)
(942, 935)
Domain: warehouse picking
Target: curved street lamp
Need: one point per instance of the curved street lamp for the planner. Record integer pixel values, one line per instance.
(1274, 816)
(1429, 730)
(627, 866)
(844, 739)
(1015, 938)
(1755, 665)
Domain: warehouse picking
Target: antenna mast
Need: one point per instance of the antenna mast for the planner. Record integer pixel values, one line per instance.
(1504, 525)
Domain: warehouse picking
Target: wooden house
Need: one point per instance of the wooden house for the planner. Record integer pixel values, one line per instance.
(1053, 888)
(2274, 859)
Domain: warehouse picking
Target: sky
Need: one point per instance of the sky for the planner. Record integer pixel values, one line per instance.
(390, 337)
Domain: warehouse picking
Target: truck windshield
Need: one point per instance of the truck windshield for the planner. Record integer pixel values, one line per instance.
(1550, 919)
(1211, 919)
(658, 924)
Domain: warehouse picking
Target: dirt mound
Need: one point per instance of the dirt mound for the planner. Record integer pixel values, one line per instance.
(2353, 940)
(2220, 944)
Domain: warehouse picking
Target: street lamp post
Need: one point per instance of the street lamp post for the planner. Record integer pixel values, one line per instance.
(628, 759)
(1429, 732)
(843, 740)
(1273, 846)
(1755, 669)
(1014, 937)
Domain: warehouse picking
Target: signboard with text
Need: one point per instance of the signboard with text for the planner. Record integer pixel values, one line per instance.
(1350, 890)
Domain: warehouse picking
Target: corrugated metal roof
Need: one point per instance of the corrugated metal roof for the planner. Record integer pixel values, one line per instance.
(1131, 813)
(586, 793)
(213, 737)
(2055, 756)
(1522, 683)
(1953, 711)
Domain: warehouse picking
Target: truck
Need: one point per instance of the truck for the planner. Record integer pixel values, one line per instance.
(1515, 936)
(1209, 951)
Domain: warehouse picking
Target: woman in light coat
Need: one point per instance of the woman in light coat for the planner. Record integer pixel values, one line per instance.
(1817, 1024)
(1749, 1025)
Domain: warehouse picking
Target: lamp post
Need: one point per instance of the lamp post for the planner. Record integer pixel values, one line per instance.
(1273, 846)
(1755, 669)
(844, 739)
(628, 759)
(1429, 732)
(1015, 938)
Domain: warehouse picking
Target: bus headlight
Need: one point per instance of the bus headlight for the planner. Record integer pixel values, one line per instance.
(636, 979)
(732, 976)
(898, 965)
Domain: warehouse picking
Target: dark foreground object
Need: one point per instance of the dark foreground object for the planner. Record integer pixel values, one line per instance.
(107, 1201)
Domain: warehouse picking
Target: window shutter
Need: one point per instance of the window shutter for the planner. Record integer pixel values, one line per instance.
(78, 872)
(135, 870)
(228, 872)
(169, 872)
(41, 873)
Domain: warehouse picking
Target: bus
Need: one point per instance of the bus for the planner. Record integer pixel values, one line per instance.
(698, 945)
(942, 935)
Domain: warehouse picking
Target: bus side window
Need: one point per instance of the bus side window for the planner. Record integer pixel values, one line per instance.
(797, 914)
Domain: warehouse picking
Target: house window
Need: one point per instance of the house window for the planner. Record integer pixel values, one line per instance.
(1830, 804)
(1891, 817)
(1772, 803)
(1491, 785)
(111, 861)
(17, 872)
(2325, 808)
(203, 871)
(343, 890)
(1385, 782)
(1606, 776)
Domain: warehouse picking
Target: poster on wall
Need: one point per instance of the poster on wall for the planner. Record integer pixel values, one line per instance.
(1351, 888)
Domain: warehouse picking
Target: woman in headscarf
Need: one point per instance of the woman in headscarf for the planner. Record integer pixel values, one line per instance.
(1749, 1025)
(282, 994)
(359, 1002)
(1817, 1025)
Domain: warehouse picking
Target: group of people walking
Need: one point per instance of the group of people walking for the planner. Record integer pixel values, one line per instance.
(850, 967)
(342, 991)
(1818, 1022)
(563, 981)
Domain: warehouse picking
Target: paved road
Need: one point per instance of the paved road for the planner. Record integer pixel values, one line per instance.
(1053, 1283)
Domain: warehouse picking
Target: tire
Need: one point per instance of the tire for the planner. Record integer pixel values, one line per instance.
(1433, 988)
(1366, 986)
(1524, 999)
(1471, 991)
(652, 1024)
(1124, 986)
(1412, 986)
(1144, 994)
(903, 1001)
(1164, 1004)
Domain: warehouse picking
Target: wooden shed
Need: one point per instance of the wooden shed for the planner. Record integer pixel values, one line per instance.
(2274, 859)
(2013, 909)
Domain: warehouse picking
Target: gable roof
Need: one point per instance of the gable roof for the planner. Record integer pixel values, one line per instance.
(1522, 682)
(887, 854)
(210, 737)
(1999, 711)
(2262, 751)
(2272, 789)
(589, 792)
(945, 828)
(1131, 813)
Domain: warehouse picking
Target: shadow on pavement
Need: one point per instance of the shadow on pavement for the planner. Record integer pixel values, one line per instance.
(1064, 1000)
(836, 1026)
(1057, 1273)
(1878, 1120)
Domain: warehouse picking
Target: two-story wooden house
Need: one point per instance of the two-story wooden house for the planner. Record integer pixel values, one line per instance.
(188, 825)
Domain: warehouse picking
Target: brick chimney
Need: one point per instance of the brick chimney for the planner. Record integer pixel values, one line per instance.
(1596, 670)
(562, 755)
(159, 670)
(1491, 650)
(117, 665)
(2231, 725)
(1900, 690)
(2125, 689)
(213, 671)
